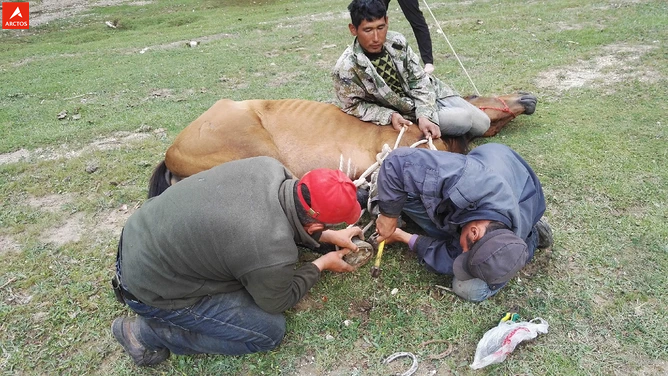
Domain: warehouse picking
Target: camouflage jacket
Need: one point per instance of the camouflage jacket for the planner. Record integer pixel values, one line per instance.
(363, 93)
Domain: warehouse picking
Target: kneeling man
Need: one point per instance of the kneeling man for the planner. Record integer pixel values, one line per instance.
(209, 265)
(481, 213)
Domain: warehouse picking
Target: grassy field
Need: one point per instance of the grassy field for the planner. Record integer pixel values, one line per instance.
(86, 111)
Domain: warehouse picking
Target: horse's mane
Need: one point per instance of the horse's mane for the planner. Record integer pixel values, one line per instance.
(458, 144)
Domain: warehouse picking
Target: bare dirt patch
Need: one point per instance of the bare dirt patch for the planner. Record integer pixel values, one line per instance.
(308, 303)
(76, 225)
(45, 11)
(114, 220)
(8, 245)
(50, 203)
(618, 63)
(68, 232)
(114, 142)
(79, 224)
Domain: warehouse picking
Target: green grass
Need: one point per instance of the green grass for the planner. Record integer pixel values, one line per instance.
(600, 150)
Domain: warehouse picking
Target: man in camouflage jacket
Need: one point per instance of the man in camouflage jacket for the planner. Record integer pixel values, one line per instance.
(379, 79)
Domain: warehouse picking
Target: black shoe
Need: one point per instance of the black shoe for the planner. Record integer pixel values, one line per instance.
(545, 239)
(123, 329)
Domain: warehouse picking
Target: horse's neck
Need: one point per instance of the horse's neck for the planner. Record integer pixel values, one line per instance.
(409, 137)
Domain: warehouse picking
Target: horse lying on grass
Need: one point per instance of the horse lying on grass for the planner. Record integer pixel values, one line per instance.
(303, 135)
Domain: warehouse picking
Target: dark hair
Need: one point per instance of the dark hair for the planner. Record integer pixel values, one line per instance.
(303, 217)
(366, 10)
(495, 225)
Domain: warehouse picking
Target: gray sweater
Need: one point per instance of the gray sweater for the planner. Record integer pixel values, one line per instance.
(231, 227)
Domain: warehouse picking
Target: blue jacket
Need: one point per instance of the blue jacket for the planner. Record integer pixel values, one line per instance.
(492, 182)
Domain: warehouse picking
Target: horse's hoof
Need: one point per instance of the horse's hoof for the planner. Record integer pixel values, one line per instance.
(362, 256)
(528, 101)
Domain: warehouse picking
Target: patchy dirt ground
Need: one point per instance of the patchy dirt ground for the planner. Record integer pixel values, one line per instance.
(76, 224)
(116, 141)
(614, 64)
(44, 11)
(617, 63)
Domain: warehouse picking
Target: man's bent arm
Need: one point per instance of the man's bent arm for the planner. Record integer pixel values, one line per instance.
(351, 97)
(421, 88)
(277, 289)
(438, 254)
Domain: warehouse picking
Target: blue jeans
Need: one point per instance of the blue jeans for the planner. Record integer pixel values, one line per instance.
(474, 290)
(230, 324)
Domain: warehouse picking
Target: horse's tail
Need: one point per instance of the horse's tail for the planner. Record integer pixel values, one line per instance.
(159, 181)
(457, 144)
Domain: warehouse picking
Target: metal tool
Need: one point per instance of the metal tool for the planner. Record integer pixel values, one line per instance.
(375, 269)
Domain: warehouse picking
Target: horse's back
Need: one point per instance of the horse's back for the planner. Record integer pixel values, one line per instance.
(227, 131)
(301, 134)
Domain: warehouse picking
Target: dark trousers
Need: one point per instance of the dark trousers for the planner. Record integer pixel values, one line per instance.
(413, 14)
(229, 323)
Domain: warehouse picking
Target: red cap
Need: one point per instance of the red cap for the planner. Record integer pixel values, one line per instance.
(333, 196)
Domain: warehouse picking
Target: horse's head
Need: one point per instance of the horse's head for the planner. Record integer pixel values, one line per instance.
(502, 109)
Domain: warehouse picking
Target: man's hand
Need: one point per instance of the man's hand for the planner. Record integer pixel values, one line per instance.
(398, 235)
(342, 238)
(385, 227)
(333, 261)
(429, 128)
(399, 121)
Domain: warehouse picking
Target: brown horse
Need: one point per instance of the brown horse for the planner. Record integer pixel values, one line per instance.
(303, 135)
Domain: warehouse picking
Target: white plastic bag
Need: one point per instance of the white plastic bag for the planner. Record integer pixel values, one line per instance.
(501, 340)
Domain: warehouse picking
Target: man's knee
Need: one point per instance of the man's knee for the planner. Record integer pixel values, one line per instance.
(270, 340)
(480, 122)
(474, 290)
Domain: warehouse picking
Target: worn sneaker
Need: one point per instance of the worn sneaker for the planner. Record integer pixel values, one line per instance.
(123, 329)
(545, 239)
(429, 68)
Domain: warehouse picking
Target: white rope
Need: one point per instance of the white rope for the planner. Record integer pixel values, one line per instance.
(452, 48)
(380, 157)
(401, 134)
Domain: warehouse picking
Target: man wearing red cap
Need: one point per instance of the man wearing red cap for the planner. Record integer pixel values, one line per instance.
(209, 265)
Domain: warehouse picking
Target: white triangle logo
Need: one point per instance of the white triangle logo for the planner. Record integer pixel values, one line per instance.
(16, 12)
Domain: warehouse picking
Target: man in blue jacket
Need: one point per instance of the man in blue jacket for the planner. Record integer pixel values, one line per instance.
(481, 213)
